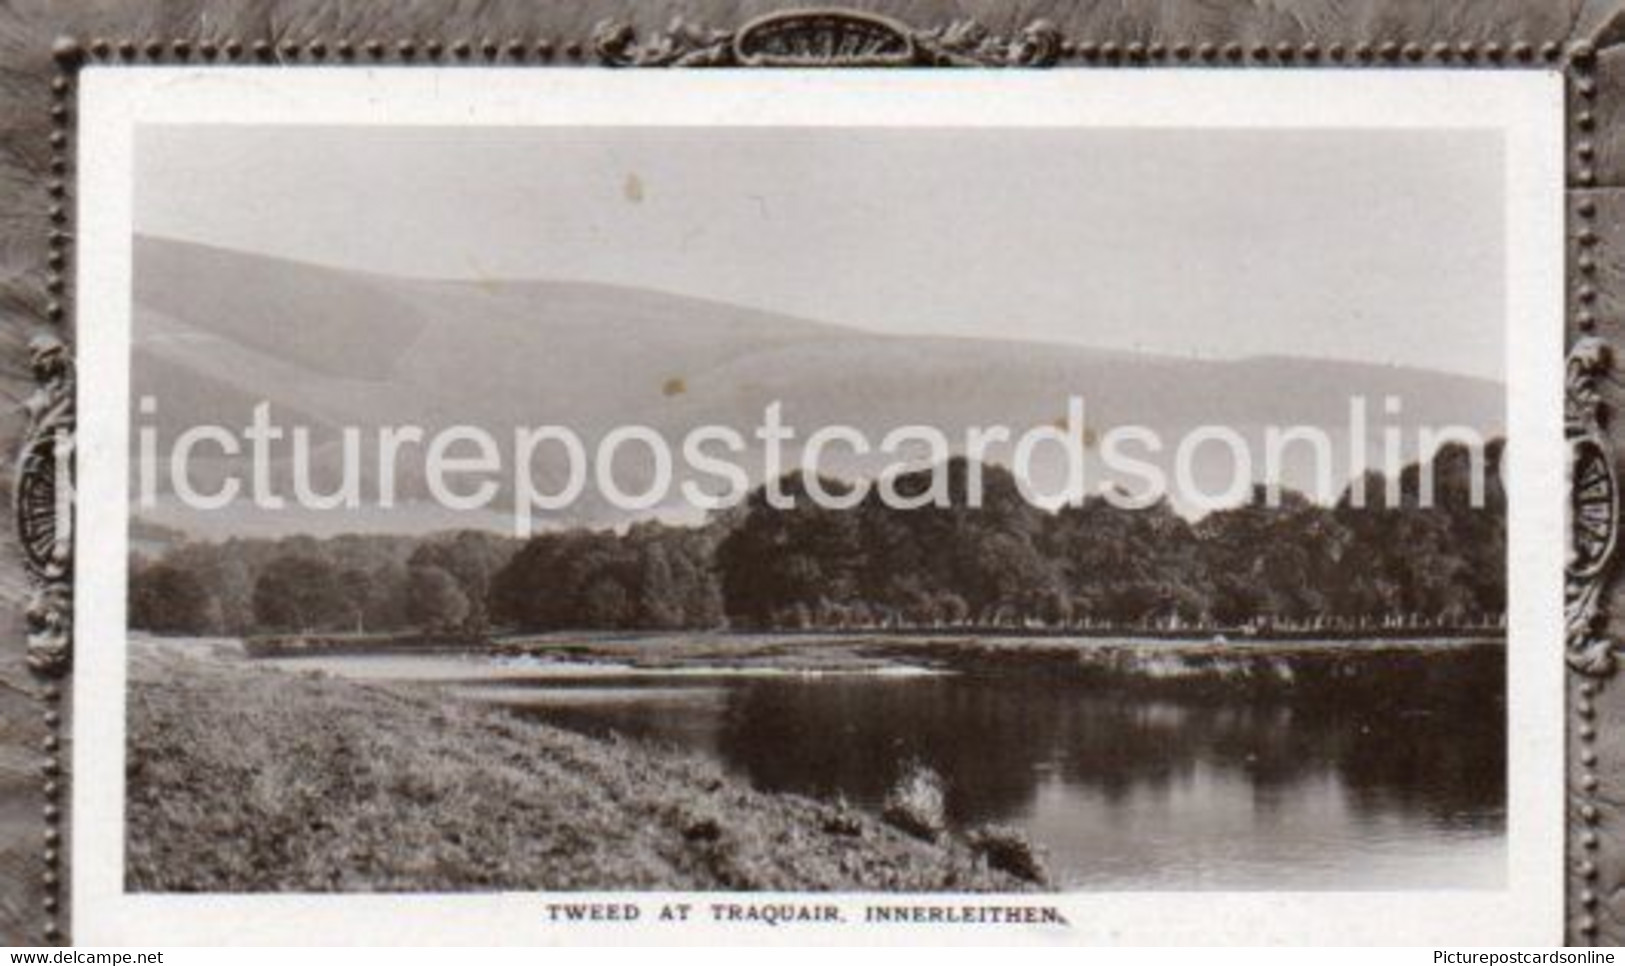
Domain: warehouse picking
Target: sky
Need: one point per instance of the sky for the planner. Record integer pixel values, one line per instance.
(1377, 246)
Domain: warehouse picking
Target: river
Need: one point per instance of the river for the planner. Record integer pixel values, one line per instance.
(1395, 779)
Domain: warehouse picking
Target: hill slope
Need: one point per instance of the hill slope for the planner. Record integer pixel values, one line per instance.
(218, 331)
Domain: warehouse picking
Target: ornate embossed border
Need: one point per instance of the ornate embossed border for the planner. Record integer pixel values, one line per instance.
(840, 38)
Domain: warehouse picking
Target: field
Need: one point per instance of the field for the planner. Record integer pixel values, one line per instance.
(249, 779)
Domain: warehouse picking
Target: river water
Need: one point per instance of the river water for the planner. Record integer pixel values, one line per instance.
(1397, 781)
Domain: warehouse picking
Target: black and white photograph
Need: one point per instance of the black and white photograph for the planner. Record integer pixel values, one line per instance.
(937, 501)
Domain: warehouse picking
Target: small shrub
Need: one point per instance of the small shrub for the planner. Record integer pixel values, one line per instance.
(842, 820)
(697, 822)
(916, 804)
(1008, 850)
(705, 829)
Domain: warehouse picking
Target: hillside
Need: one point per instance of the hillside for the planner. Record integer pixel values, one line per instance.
(217, 331)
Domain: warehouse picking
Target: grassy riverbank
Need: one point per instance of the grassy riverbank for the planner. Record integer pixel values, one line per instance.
(248, 779)
(1424, 670)
(1333, 670)
(867, 650)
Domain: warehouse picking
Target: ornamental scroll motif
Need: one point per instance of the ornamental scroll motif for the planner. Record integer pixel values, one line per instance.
(826, 38)
(1593, 509)
(44, 505)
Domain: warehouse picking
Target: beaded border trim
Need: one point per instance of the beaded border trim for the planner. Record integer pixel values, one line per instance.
(1594, 358)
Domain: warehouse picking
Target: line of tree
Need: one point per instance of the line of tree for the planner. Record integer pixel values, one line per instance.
(1287, 561)
(299, 584)
(1281, 562)
(653, 577)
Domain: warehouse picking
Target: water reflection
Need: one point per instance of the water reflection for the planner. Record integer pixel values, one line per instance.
(1394, 782)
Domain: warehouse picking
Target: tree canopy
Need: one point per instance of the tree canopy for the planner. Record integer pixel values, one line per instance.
(1362, 562)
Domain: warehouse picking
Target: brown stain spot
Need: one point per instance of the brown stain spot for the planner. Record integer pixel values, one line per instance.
(675, 386)
(633, 188)
(1090, 438)
(483, 280)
